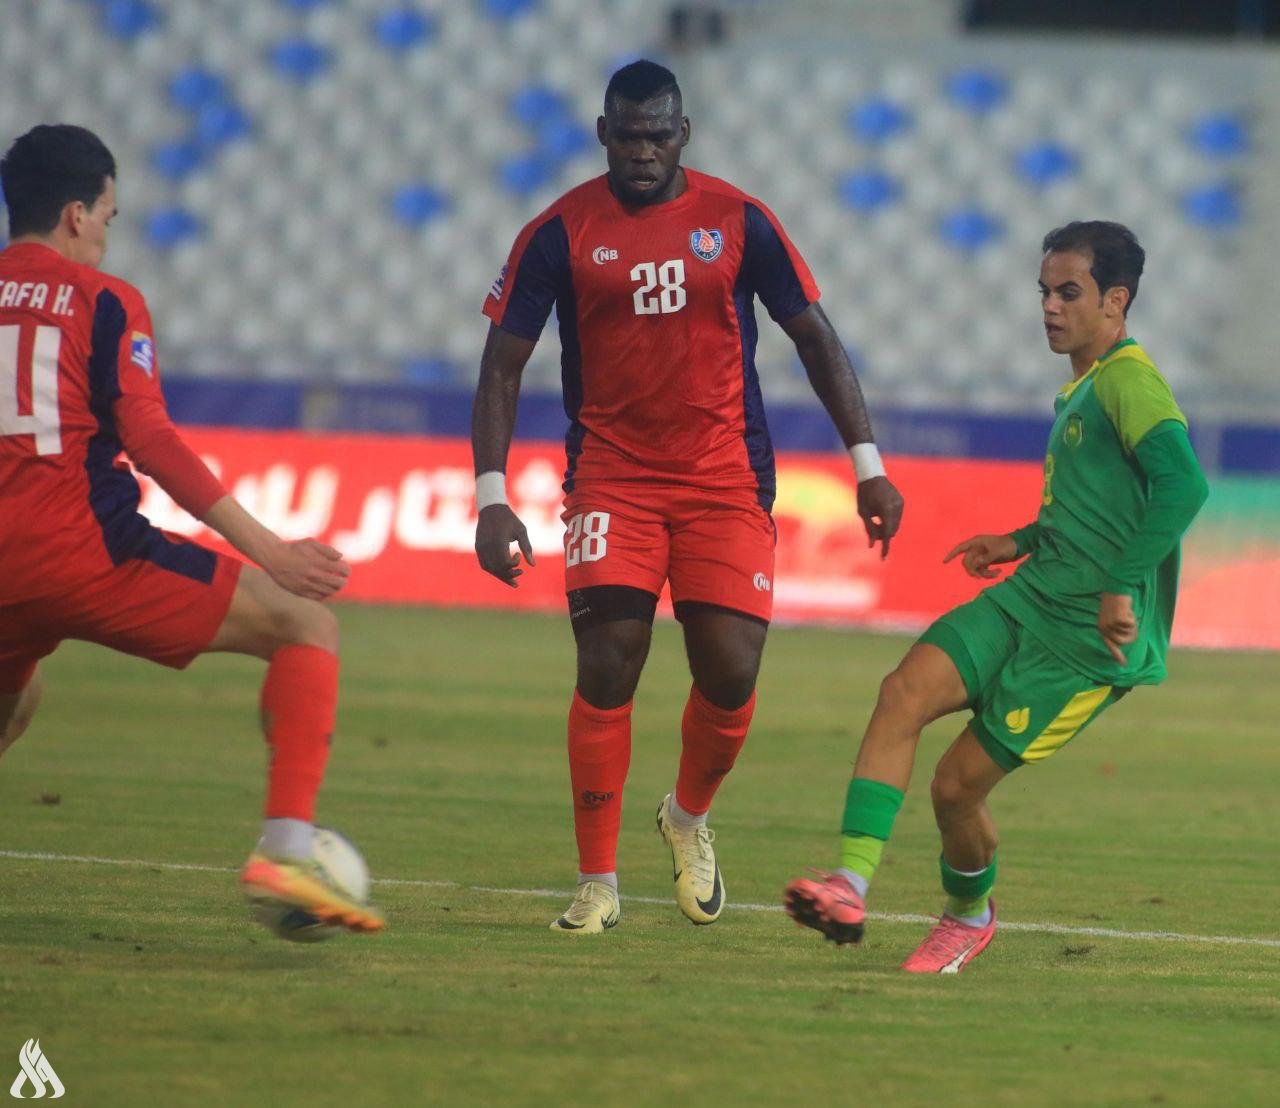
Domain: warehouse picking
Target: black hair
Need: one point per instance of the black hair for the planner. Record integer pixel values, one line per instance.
(1117, 257)
(640, 81)
(48, 168)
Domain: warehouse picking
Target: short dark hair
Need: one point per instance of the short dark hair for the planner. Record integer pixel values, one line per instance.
(1117, 257)
(48, 168)
(640, 81)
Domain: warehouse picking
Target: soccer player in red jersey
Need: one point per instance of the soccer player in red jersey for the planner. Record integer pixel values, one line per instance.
(653, 270)
(79, 384)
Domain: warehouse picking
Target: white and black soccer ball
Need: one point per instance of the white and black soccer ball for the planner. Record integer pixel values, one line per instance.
(344, 867)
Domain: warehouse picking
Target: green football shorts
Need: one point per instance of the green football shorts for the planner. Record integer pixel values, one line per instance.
(1026, 702)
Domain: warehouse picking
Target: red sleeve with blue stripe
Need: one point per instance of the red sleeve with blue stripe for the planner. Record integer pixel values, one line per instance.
(142, 419)
(534, 278)
(773, 267)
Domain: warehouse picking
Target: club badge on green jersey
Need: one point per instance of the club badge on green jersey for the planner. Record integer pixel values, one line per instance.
(1073, 433)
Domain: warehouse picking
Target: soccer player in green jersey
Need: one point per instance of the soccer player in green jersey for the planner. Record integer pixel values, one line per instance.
(1039, 656)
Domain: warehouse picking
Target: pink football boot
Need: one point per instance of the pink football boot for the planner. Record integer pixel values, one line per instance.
(830, 905)
(951, 946)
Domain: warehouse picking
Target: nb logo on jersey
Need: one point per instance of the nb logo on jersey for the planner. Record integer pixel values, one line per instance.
(36, 1071)
(761, 582)
(1017, 720)
(602, 254)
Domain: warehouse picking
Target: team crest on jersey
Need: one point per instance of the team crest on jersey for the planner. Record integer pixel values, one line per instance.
(1073, 434)
(495, 290)
(143, 352)
(706, 244)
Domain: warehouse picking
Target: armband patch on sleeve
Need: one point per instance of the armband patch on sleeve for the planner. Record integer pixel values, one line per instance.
(142, 352)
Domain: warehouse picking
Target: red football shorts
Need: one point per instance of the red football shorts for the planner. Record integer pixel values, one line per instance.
(714, 546)
(136, 607)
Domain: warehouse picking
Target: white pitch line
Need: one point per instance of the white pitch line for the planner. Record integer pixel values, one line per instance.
(883, 917)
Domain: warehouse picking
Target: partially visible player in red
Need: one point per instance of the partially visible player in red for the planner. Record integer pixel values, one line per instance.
(79, 384)
(653, 271)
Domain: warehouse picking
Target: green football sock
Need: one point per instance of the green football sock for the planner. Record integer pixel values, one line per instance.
(860, 854)
(967, 893)
(870, 808)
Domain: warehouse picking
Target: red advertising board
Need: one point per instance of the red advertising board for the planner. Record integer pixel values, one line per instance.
(402, 510)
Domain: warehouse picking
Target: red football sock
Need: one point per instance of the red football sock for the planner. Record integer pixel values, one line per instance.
(599, 756)
(711, 738)
(299, 705)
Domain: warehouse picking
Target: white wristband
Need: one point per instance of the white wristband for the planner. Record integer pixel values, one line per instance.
(866, 460)
(491, 488)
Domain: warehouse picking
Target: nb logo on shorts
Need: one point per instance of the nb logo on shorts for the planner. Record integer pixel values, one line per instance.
(761, 582)
(1017, 720)
(36, 1071)
(603, 254)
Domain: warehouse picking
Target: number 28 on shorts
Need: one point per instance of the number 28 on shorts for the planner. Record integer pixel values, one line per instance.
(585, 540)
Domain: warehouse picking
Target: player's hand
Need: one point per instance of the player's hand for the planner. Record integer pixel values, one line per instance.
(984, 551)
(308, 568)
(498, 528)
(1117, 623)
(880, 506)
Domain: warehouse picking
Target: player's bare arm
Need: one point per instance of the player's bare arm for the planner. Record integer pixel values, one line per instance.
(984, 551)
(306, 568)
(493, 421)
(836, 384)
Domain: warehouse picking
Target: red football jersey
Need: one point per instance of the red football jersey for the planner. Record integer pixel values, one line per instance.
(657, 329)
(73, 342)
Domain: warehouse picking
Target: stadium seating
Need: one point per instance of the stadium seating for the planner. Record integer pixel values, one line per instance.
(327, 187)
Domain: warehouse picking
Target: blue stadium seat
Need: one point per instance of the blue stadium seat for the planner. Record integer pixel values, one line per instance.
(977, 91)
(970, 229)
(403, 28)
(417, 204)
(177, 159)
(1216, 207)
(508, 9)
(878, 119)
(170, 227)
(1220, 135)
(563, 138)
(535, 104)
(193, 87)
(221, 122)
(300, 60)
(525, 174)
(1044, 163)
(127, 19)
(868, 190)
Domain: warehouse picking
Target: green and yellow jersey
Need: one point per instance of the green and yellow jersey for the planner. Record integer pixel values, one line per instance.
(1121, 485)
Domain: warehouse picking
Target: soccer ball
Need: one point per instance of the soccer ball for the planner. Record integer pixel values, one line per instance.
(343, 867)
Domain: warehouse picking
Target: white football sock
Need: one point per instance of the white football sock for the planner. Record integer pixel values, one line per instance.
(286, 839)
(973, 921)
(604, 879)
(687, 821)
(859, 882)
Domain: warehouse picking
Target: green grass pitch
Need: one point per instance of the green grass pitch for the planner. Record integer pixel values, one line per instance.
(147, 984)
